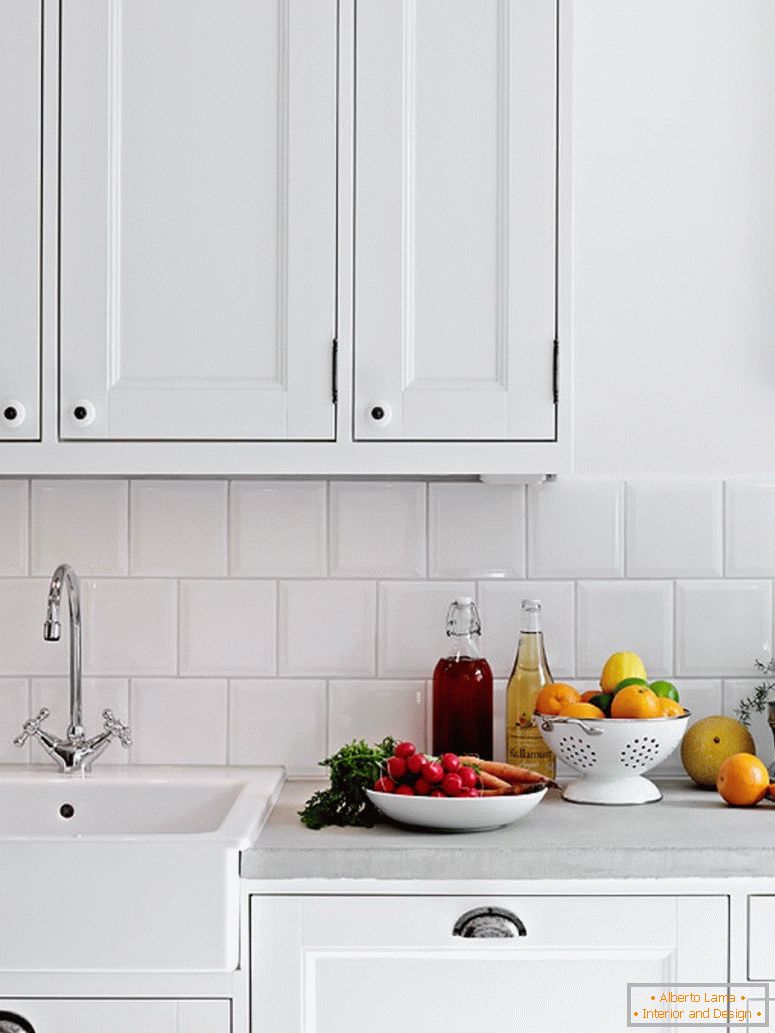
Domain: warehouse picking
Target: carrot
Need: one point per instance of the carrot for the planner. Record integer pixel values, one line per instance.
(497, 792)
(506, 772)
(493, 782)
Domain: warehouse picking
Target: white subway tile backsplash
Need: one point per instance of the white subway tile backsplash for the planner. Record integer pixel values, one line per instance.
(328, 600)
(98, 694)
(500, 608)
(575, 529)
(14, 524)
(377, 529)
(750, 530)
(722, 627)
(178, 528)
(80, 522)
(22, 649)
(412, 616)
(373, 709)
(278, 722)
(615, 616)
(129, 626)
(476, 530)
(674, 529)
(178, 721)
(15, 708)
(278, 528)
(327, 627)
(227, 628)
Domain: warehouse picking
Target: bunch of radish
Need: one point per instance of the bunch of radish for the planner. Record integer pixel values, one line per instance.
(409, 773)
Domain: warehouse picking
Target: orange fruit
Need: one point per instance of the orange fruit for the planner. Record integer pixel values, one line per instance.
(589, 694)
(669, 707)
(635, 701)
(743, 780)
(552, 698)
(581, 710)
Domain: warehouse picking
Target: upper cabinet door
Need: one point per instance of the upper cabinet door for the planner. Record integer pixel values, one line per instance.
(456, 170)
(20, 193)
(198, 211)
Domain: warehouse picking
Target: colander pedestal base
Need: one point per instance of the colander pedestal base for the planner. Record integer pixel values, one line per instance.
(618, 791)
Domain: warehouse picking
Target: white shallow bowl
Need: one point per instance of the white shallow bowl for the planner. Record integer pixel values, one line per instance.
(472, 814)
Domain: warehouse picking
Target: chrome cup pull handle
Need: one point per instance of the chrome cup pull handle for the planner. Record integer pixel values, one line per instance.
(489, 923)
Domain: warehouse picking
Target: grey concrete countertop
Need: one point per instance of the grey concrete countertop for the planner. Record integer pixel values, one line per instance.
(689, 833)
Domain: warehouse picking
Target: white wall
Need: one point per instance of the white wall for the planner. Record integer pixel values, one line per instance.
(674, 236)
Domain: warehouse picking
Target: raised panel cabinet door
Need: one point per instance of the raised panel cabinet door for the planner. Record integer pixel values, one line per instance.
(456, 161)
(115, 1016)
(348, 964)
(198, 218)
(20, 194)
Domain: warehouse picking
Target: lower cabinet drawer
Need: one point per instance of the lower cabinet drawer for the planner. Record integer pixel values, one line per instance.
(343, 964)
(59, 1015)
(761, 938)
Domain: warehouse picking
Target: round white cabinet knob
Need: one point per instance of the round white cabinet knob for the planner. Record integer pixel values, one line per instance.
(83, 412)
(13, 413)
(381, 413)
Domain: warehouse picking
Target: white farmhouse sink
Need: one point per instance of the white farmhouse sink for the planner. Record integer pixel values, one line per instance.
(131, 868)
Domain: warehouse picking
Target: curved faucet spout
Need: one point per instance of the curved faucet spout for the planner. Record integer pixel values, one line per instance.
(52, 629)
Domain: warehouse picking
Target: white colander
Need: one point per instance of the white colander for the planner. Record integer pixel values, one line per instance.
(612, 754)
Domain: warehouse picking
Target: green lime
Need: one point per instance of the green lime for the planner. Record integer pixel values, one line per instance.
(629, 681)
(665, 689)
(603, 701)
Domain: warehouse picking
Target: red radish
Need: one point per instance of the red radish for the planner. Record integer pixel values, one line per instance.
(415, 763)
(421, 787)
(469, 777)
(432, 772)
(404, 791)
(450, 762)
(470, 792)
(438, 792)
(452, 784)
(384, 785)
(404, 749)
(396, 768)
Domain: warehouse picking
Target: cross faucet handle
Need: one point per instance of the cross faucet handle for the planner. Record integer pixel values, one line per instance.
(118, 728)
(31, 726)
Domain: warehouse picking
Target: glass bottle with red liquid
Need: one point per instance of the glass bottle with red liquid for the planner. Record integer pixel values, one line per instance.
(462, 688)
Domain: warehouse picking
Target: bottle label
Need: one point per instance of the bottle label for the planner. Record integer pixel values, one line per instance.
(526, 748)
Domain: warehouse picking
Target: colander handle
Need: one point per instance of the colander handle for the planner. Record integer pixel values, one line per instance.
(548, 723)
(489, 923)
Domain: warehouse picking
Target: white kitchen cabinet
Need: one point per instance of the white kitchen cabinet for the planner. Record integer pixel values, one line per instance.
(343, 964)
(455, 220)
(198, 219)
(115, 1016)
(20, 198)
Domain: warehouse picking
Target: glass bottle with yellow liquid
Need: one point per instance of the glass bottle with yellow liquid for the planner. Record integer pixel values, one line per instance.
(524, 743)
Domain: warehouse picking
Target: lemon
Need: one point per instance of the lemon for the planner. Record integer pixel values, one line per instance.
(708, 743)
(621, 666)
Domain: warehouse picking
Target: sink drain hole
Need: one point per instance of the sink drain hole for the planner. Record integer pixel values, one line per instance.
(67, 810)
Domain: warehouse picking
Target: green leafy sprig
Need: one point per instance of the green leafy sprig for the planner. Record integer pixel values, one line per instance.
(353, 769)
(762, 695)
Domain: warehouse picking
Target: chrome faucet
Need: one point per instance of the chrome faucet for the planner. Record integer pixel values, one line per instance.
(73, 752)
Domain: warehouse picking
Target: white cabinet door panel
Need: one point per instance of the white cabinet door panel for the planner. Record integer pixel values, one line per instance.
(456, 123)
(104, 1016)
(345, 965)
(198, 218)
(20, 100)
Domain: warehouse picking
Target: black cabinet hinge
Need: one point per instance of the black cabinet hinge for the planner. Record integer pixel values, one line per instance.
(556, 372)
(334, 371)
